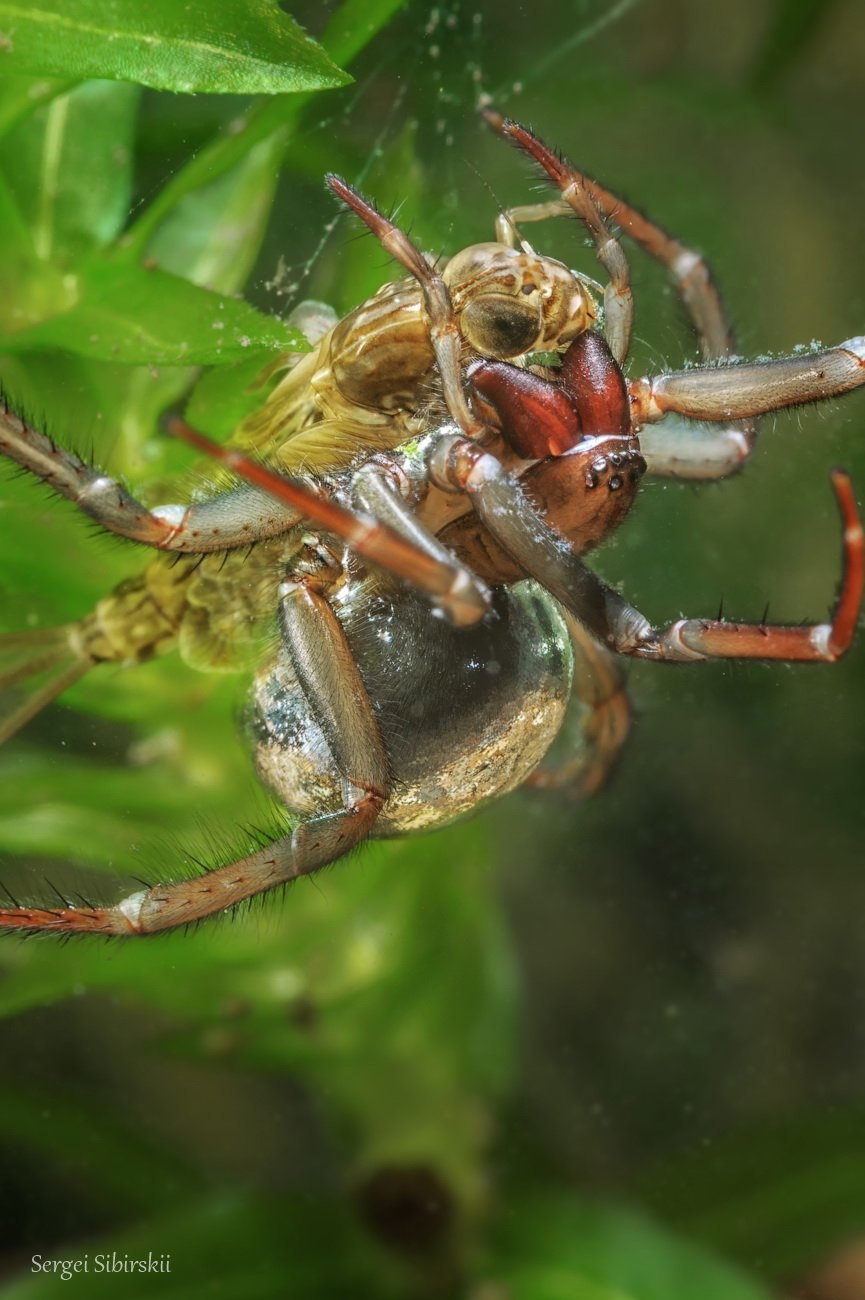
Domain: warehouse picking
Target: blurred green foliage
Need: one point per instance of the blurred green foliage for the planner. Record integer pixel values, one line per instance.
(444, 1067)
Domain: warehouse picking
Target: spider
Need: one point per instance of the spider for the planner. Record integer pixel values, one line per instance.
(437, 624)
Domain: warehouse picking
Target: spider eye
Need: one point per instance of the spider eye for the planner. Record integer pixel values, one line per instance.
(529, 288)
(499, 326)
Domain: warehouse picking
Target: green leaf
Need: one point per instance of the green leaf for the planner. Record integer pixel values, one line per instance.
(225, 396)
(144, 316)
(21, 96)
(69, 166)
(30, 289)
(240, 47)
(346, 36)
(213, 236)
(555, 1247)
(18, 255)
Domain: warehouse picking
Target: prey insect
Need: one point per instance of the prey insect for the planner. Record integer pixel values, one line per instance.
(436, 623)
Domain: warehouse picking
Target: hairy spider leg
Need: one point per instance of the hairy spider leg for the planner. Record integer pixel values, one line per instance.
(460, 465)
(265, 506)
(322, 660)
(576, 198)
(690, 639)
(740, 393)
(681, 449)
(233, 518)
(750, 388)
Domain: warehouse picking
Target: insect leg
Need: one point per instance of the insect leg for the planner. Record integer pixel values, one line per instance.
(691, 273)
(444, 328)
(321, 657)
(233, 518)
(577, 197)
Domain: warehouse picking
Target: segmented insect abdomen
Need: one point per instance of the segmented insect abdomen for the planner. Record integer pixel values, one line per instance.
(211, 606)
(217, 609)
(362, 389)
(380, 355)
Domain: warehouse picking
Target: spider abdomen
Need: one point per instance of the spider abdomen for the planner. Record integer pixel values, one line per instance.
(465, 714)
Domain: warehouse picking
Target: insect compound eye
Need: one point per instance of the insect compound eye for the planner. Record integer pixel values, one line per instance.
(497, 325)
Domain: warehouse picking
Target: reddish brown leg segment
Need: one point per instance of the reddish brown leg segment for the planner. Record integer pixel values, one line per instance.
(691, 273)
(448, 583)
(578, 198)
(694, 639)
(820, 643)
(165, 907)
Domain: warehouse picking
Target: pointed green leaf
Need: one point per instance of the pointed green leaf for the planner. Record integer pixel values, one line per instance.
(350, 29)
(240, 47)
(139, 316)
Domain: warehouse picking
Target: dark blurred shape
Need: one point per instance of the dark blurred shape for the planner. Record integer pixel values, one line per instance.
(407, 1207)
